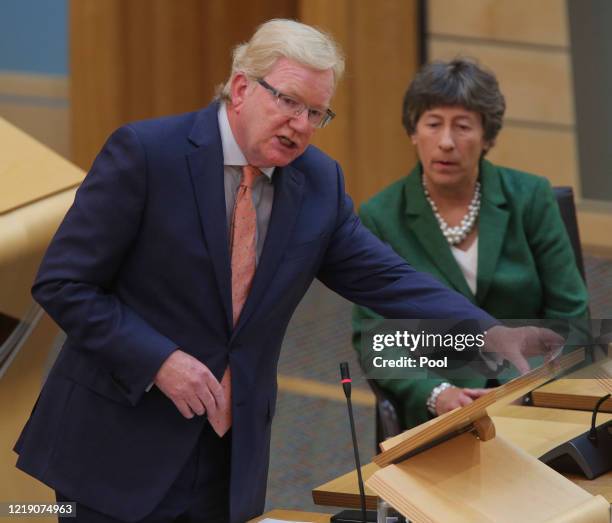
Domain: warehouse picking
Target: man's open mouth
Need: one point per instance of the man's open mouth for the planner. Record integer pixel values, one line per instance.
(287, 142)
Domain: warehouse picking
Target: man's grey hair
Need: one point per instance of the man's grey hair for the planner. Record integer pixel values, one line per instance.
(280, 38)
(460, 82)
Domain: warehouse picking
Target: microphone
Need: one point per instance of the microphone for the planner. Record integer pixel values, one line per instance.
(345, 379)
(592, 436)
(353, 516)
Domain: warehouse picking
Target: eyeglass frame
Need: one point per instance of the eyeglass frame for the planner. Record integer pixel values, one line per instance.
(326, 117)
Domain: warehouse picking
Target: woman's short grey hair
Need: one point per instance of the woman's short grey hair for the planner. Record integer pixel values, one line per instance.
(289, 39)
(460, 82)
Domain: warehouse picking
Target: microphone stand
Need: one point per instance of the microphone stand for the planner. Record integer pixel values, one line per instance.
(353, 516)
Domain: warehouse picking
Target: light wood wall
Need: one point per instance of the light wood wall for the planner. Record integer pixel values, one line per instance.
(527, 45)
(380, 42)
(145, 58)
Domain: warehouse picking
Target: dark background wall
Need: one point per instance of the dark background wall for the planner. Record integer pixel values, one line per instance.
(590, 24)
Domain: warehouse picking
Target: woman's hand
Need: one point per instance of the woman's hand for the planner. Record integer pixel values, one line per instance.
(454, 397)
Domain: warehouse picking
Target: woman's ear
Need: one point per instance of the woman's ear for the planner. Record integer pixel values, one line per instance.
(488, 145)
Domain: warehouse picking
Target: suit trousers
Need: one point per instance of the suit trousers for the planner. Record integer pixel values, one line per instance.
(200, 494)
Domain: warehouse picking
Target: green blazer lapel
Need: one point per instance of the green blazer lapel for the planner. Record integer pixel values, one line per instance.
(492, 224)
(424, 225)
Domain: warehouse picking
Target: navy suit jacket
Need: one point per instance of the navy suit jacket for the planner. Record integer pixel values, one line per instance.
(140, 266)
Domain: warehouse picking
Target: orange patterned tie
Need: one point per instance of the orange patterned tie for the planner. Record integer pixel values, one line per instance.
(243, 250)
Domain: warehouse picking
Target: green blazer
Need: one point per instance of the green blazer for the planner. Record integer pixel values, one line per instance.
(526, 266)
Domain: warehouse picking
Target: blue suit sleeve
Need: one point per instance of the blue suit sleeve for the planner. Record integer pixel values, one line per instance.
(75, 281)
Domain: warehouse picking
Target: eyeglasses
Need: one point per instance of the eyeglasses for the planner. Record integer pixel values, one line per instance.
(291, 107)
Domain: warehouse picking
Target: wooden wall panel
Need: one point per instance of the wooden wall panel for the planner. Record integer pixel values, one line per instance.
(380, 42)
(527, 78)
(595, 227)
(385, 47)
(95, 68)
(527, 44)
(145, 58)
(336, 139)
(526, 21)
(549, 153)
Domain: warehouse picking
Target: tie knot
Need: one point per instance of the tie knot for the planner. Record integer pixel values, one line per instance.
(249, 175)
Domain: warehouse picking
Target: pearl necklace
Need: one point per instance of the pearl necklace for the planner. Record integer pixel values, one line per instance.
(455, 235)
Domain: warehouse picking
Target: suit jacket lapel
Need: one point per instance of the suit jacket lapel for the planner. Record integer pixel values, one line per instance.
(206, 169)
(492, 225)
(288, 192)
(427, 231)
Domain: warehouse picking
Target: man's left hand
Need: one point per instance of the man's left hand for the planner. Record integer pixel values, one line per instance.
(519, 343)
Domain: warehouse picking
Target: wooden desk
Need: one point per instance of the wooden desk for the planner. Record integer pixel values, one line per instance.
(294, 515)
(580, 394)
(579, 390)
(344, 491)
(534, 429)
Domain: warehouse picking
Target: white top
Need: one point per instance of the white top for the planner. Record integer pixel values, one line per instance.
(468, 263)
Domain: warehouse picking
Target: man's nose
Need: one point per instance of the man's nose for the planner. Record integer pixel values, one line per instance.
(447, 143)
(300, 122)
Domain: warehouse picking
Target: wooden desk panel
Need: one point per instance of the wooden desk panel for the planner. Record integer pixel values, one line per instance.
(534, 429)
(538, 430)
(344, 491)
(579, 394)
(580, 390)
(30, 171)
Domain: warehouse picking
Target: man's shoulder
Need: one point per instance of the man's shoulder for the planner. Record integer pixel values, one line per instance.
(165, 125)
(195, 125)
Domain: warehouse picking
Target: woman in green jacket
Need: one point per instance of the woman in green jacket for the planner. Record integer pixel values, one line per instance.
(491, 233)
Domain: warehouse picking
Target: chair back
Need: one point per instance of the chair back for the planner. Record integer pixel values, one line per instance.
(565, 200)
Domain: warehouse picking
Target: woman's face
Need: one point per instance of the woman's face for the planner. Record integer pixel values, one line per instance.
(449, 142)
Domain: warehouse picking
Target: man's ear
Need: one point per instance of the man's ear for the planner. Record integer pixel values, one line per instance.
(238, 90)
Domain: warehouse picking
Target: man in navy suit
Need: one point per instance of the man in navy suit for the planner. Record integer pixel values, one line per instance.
(139, 277)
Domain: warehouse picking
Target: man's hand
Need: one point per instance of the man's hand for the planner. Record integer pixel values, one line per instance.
(518, 344)
(190, 385)
(453, 397)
